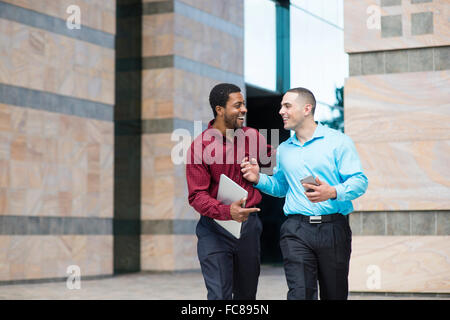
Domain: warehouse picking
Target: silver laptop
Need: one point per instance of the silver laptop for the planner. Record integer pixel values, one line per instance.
(229, 192)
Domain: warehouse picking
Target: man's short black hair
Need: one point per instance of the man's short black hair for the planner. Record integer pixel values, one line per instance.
(307, 96)
(219, 95)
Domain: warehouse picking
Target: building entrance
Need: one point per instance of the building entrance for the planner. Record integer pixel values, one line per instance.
(263, 107)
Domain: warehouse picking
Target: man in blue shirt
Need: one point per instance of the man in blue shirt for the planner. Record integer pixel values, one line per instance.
(315, 240)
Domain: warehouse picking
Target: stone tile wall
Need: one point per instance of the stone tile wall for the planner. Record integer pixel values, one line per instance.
(187, 49)
(56, 140)
(397, 113)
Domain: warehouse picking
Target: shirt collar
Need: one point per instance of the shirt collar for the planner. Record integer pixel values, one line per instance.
(318, 133)
(210, 126)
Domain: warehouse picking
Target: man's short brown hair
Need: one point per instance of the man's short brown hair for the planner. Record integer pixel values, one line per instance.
(307, 95)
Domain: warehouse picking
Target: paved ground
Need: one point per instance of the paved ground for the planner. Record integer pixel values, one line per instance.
(158, 286)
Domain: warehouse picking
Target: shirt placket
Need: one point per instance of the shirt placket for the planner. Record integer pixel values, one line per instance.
(236, 166)
(315, 206)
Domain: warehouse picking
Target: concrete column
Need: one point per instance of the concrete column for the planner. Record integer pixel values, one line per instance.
(56, 140)
(187, 47)
(398, 114)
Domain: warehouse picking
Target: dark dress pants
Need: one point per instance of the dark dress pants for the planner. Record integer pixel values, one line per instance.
(230, 266)
(316, 253)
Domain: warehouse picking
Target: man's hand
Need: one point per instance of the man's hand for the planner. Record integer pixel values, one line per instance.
(240, 214)
(319, 193)
(250, 170)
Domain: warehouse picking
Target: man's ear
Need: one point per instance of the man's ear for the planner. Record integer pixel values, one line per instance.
(308, 109)
(220, 110)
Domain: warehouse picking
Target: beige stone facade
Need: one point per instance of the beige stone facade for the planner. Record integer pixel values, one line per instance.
(56, 140)
(87, 116)
(397, 112)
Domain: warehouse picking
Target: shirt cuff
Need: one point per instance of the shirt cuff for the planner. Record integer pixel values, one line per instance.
(340, 192)
(225, 212)
(261, 182)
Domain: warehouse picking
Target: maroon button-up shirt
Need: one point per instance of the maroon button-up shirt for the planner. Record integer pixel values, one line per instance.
(211, 155)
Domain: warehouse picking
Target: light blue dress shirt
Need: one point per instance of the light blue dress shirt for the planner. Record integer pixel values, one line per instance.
(329, 155)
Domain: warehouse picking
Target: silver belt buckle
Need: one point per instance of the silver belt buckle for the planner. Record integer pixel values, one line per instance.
(315, 219)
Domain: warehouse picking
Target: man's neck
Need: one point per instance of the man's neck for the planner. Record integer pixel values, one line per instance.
(306, 131)
(227, 133)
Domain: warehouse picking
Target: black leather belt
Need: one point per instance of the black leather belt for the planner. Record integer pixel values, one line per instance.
(316, 219)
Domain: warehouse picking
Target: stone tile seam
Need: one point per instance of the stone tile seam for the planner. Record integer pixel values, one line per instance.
(359, 55)
(25, 16)
(185, 10)
(13, 225)
(54, 102)
(179, 62)
(410, 216)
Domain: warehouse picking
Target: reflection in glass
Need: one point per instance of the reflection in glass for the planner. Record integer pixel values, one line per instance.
(260, 43)
(318, 60)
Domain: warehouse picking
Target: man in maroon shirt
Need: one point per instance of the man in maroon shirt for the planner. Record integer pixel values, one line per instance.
(230, 266)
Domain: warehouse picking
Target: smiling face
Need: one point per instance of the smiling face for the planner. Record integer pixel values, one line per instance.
(235, 111)
(294, 111)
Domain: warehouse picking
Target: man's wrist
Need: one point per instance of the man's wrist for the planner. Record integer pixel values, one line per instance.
(259, 180)
(333, 193)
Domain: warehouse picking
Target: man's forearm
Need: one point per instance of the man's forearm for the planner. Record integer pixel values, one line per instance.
(352, 188)
(271, 185)
(209, 207)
